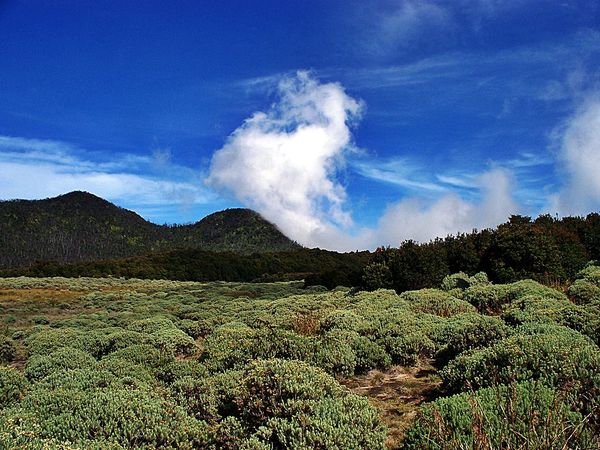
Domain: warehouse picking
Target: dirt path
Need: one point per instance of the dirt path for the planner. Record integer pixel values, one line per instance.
(397, 393)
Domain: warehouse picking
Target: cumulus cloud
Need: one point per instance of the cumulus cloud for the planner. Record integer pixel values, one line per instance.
(579, 156)
(284, 162)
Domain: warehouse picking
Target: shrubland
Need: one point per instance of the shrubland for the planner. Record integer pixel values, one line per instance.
(127, 363)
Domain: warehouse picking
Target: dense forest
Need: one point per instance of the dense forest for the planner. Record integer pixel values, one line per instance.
(545, 249)
(79, 226)
(198, 265)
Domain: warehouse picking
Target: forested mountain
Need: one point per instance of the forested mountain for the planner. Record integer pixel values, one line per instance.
(80, 226)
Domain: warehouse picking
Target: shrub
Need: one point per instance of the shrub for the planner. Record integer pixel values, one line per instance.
(559, 358)
(290, 404)
(334, 354)
(40, 366)
(533, 308)
(524, 415)
(130, 418)
(434, 301)
(466, 332)
(174, 341)
(12, 386)
(343, 320)
(8, 349)
(584, 292)
(463, 281)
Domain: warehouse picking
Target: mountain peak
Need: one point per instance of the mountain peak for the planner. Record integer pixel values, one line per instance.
(80, 226)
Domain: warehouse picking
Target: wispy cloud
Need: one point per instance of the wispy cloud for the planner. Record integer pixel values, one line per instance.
(34, 168)
(579, 156)
(397, 171)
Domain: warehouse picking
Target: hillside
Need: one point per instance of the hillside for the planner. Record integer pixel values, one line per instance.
(80, 226)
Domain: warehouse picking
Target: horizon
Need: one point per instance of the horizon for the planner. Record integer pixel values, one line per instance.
(347, 126)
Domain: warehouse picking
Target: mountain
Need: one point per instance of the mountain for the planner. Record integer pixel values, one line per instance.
(80, 226)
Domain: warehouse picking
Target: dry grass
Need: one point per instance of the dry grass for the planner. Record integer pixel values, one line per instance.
(397, 393)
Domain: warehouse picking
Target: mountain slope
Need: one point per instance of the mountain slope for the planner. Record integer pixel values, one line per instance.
(80, 226)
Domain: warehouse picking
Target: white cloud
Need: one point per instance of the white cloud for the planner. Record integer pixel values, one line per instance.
(283, 163)
(34, 168)
(580, 158)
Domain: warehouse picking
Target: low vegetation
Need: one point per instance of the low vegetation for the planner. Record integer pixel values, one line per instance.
(126, 363)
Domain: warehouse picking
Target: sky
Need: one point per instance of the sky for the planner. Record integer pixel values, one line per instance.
(348, 124)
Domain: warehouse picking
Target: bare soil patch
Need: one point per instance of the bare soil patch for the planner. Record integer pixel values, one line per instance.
(397, 393)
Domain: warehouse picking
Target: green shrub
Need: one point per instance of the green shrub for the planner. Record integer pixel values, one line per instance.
(558, 358)
(584, 292)
(8, 349)
(463, 281)
(437, 302)
(130, 418)
(525, 415)
(466, 332)
(292, 405)
(40, 366)
(12, 386)
(369, 355)
(533, 308)
(174, 341)
(342, 320)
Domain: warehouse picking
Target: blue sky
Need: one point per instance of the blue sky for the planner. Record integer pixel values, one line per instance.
(349, 124)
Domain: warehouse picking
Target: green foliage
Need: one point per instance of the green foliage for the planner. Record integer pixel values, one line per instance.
(8, 349)
(463, 281)
(130, 418)
(525, 415)
(468, 331)
(40, 366)
(434, 301)
(559, 356)
(12, 386)
(293, 405)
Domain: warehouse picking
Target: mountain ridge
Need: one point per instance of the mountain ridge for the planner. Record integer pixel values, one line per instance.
(79, 226)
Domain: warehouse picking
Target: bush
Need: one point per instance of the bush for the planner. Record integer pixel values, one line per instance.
(466, 332)
(130, 418)
(558, 358)
(12, 386)
(8, 349)
(434, 301)
(463, 281)
(289, 404)
(174, 341)
(584, 292)
(525, 415)
(40, 366)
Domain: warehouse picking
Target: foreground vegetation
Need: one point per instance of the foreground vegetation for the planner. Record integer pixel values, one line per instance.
(113, 363)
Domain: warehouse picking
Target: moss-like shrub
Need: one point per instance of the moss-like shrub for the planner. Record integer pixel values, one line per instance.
(229, 346)
(466, 332)
(560, 359)
(130, 418)
(437, 302)
(536, 309)
(334, 354)
(463, 281)
(342, 320)
(8, 349)
(291, 405)
(584, 292)
(40, 366)
(12, 386)
(525, 415)
(174, 341)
